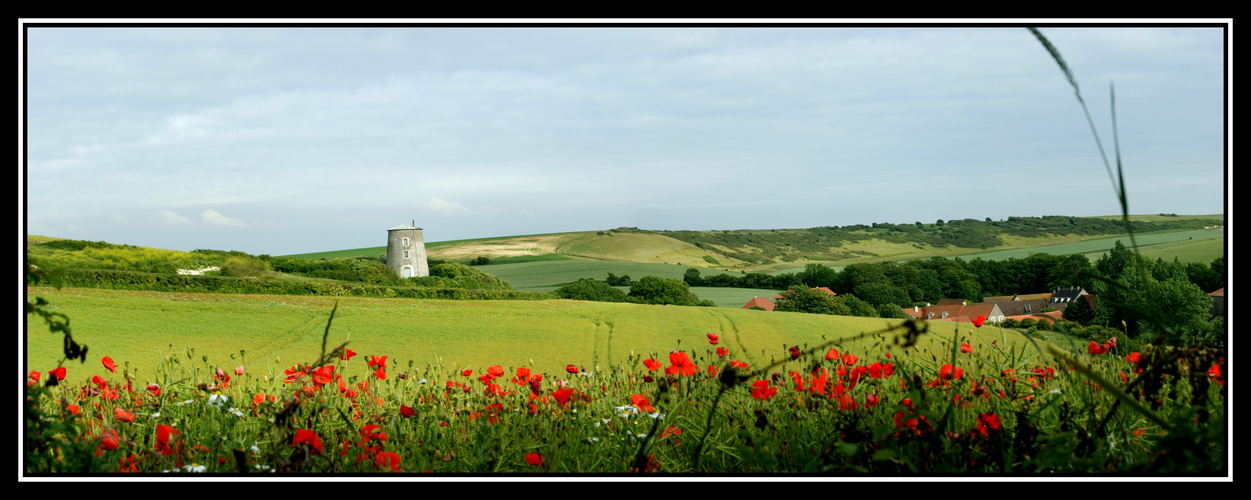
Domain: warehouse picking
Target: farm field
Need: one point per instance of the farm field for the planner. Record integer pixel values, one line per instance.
(1187, 246)
(563, 387)
(139, 329)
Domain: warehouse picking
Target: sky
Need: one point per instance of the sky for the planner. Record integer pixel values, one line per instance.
(278, 139)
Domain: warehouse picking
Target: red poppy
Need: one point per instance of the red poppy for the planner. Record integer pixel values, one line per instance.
(712, 370)
(381, 373)
(571, 369)
(794, 352)
(375, 361)
(760, 390)
(368, 432)
(123, 415)
(640, 401)
(305, 436)
(832, 355)
(965, 348)
(870, 400)
(721, 352)
(979, 321)
(100, 382)
(59, 373)
(407, 411)
(713, 338)
(562, 395)
(534, 460)
(850, 359)
(154, 389)
(108, 363)
(35, 374)
(258, 398)
(347, 354)
(681, 364)
(879, 370)
(948, 372)
(466, 372)
(1132, 358)
(1215, 372)
(987, 422)
(108, 440)
(495, 371)
(388, 460)
(738, 365)
(1095, 348)
(324, 375)
(651, 364)
(163, 433)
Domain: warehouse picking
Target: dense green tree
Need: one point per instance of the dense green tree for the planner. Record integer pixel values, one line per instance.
(1112, 263)
(1173, 310)
(691, 277)
(654, 290)
(810, 300)
(859, 307)
(1071, 271)
(881, 293)
(891, 311)
(589, 289)
(816, 275)
(1080, 311)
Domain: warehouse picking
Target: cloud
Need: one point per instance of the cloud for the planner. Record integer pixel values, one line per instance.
(173, 218)
(216, 219)
(444, 207)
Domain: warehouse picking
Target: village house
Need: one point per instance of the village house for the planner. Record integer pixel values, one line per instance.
(955, 310)
(1218, 302)
(760, 302)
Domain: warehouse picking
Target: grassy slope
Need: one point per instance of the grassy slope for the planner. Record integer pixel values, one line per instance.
(140, 328)
(657, 249)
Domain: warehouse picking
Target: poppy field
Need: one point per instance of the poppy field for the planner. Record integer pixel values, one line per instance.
(865, 404)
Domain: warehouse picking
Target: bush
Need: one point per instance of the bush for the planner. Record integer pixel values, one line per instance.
(589, 289)
(653, 290)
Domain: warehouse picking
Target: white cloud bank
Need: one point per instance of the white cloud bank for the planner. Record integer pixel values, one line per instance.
(216, 219)
(173, 218)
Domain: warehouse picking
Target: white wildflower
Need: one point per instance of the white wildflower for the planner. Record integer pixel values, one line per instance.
(236, 411)
(216, 400)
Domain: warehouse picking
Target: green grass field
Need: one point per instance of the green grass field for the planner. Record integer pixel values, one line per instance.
(1187, 246)
(140, 329)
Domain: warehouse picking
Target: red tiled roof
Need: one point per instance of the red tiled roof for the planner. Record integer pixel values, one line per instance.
(1218, 293)
(760, 301)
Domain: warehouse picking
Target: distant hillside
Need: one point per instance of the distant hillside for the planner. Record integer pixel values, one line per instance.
(783, 249)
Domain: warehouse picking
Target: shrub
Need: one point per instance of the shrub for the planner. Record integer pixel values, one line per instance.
(589, 289)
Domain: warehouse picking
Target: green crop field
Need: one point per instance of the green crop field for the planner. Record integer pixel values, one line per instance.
(1189, 246)
(139, 329)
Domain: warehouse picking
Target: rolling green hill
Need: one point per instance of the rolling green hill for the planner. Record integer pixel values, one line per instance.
(786, 250)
